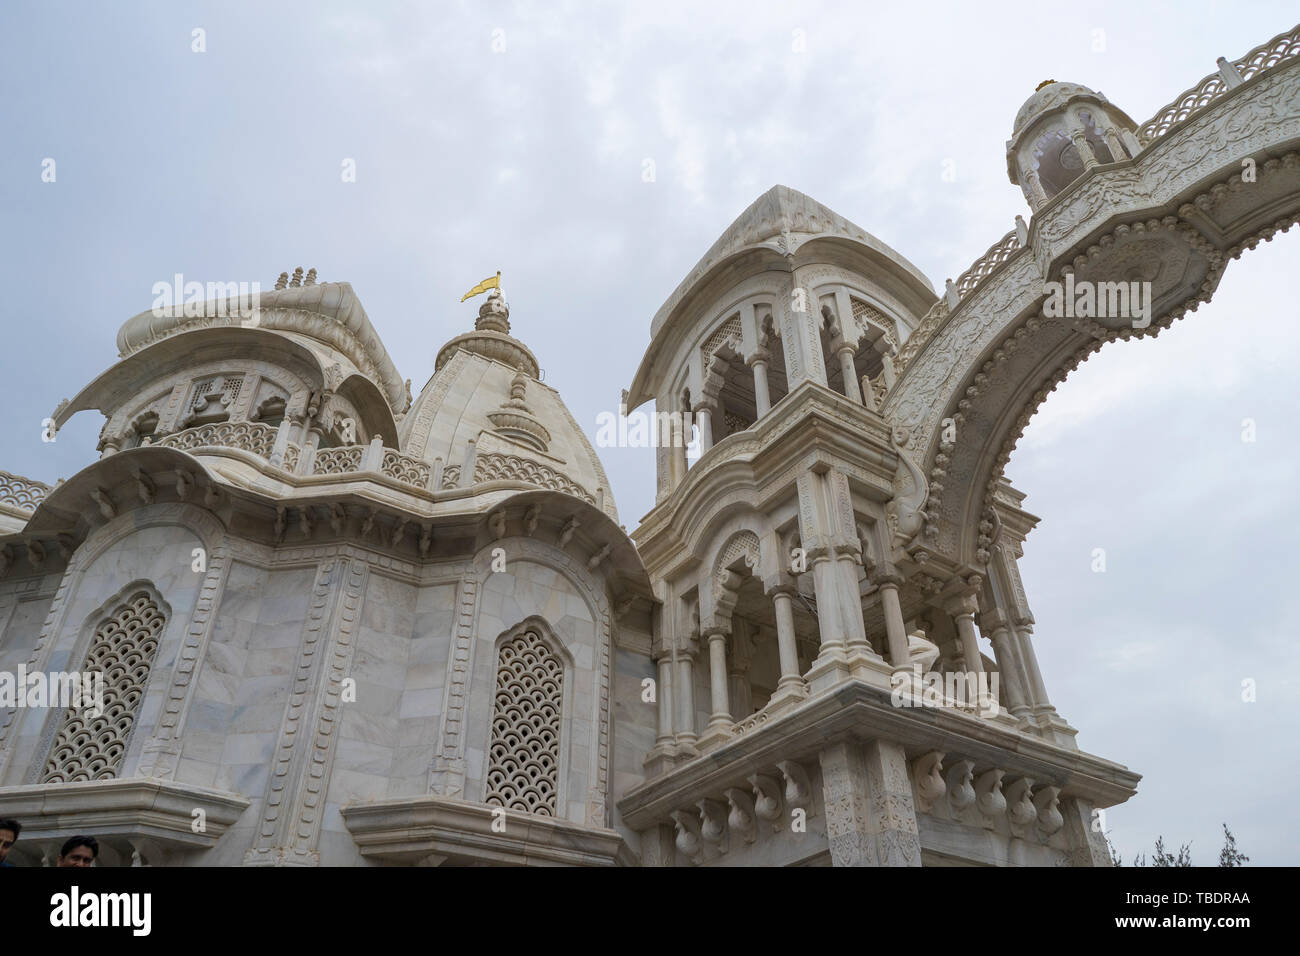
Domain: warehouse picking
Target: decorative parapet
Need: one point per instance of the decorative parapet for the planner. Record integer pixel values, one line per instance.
(987, 264)
(21, 495)
(338, 461)
(404, 468)
(259, 439)
(1280, 49)
(494, 467)
(490, 467)
(997, 255)
(254, 437)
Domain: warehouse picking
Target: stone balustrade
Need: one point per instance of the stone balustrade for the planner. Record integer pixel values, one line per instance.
(260, 439)
(21, 494)
(983, 267)
(1280, 49)
(496, 467)
(254, 437)
(783, 796)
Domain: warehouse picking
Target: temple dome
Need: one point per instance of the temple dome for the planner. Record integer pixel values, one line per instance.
(1051, 96)
(486, 390)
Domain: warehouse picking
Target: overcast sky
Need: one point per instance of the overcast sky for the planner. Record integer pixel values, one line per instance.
(226, 165)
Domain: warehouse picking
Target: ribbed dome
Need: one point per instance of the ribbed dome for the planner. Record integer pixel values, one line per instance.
(1052, 96)
(485, 389)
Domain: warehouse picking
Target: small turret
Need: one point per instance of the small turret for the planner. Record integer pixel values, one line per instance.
(1063, 130)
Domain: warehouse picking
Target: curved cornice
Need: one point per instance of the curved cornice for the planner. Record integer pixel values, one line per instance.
(329, 312)
(781, 231)
(124, 380)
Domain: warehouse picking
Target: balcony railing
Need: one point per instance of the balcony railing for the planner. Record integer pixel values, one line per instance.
(19, 494)
(1281, 49)
(374, 458)
(254, 437)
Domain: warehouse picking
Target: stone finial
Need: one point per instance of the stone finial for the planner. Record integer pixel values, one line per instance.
(518, 386)
(494, 314)
(283, 281)
(311, 276)
(296, 281)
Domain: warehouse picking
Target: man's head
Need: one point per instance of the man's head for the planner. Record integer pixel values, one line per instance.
(79, 851)
(9, 830)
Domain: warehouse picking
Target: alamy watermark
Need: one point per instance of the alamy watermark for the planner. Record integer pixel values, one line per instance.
(640, 429)
(1098, 300)
(197, 299)
(78, 690)
(969, 690)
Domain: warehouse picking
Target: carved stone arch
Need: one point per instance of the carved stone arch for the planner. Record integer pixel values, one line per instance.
(120, 638)
(205, 525)
(530, 733)
(593, 590)
(125, 420)
(991, 360)
(728, 330)
(210, 531)
(738, 558)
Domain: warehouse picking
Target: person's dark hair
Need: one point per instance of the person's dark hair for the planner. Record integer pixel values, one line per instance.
(13, 825)
(76, 841)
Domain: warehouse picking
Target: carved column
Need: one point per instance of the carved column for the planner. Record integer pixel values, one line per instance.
(1008, 658)
(658, 846)
(762, 398)
(1086, 842)
(887, 353)
(892, 823)
(1038, 195)
(664, 736)
(800, 335)
(663, 467)
(1079, 137)
(848, 805)
(845, 354)
(1024, 631)
(895, 628)
(704, 419)
(680, 427)
(1113, 143)
(684, 695)
(870, 818)
(815, 526)
(963, 611)
(720, 722)
(791, 684)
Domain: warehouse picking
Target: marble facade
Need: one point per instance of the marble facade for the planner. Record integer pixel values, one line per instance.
(349, 625)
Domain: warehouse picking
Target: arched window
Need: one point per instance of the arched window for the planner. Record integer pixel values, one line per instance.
(143, 430)
(524, 754)
(271, 411)
(90, 745)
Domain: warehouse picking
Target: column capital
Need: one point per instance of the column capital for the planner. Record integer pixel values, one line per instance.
(962, 605)
(887, 577)
(994, 620)
(758, 355)
(780, 584)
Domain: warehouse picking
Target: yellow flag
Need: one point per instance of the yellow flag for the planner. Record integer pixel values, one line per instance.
(492, 283)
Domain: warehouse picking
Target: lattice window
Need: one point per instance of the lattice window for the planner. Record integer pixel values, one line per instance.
(123, 649)
(524, 756)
